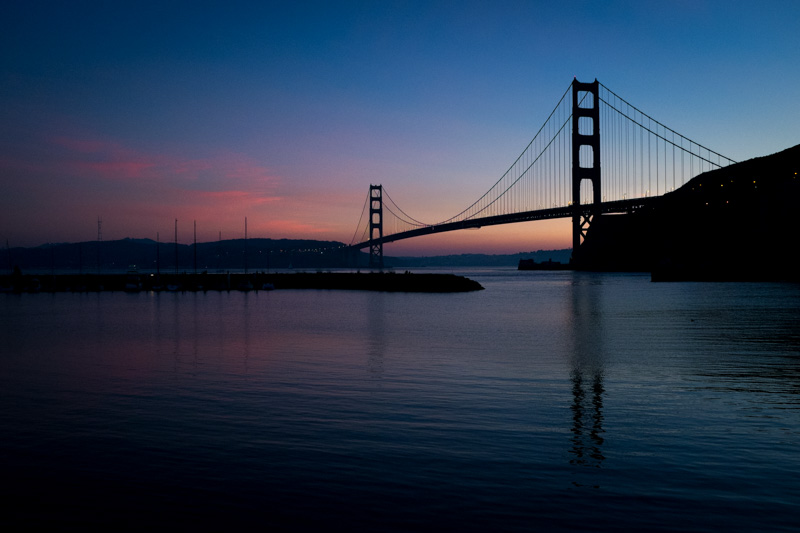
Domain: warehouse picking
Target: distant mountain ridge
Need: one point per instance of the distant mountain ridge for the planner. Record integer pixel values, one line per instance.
(148, 254)
(253, 254)
(499, 260)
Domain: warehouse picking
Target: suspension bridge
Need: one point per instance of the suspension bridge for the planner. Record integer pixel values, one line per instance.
(558, 174)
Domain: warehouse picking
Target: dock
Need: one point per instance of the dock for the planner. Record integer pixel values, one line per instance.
(183, 282)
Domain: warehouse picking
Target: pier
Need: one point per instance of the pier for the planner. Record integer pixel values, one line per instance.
(183, 282)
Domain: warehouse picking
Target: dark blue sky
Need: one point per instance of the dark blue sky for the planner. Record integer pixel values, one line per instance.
(285, 112)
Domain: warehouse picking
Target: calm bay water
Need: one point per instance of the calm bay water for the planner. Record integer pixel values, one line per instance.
(548, 401)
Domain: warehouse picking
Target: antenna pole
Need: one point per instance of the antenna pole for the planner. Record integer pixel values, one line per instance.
(158, 255)
(195, 247)
(176, 246)
(10, 262)
(99, 240)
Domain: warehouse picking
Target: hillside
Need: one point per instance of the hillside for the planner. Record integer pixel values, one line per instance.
(146, 254)
(733, 223)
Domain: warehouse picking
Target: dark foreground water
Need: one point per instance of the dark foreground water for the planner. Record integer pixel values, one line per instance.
(549, 401)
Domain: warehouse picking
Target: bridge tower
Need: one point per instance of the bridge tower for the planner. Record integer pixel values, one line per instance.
(376, 226)
(585, 157)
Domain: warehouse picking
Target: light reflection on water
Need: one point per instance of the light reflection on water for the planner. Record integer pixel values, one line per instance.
(549, 400)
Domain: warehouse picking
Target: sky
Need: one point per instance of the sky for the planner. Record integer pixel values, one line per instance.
(140, 113)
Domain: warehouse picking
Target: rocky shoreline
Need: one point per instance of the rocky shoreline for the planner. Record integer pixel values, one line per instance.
(135, 282)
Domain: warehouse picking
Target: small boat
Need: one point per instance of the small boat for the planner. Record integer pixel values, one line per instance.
(133, 282)
(530, 264)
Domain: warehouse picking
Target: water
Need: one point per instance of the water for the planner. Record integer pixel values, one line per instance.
(549, 401)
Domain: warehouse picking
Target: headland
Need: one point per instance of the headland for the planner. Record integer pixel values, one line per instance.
(735, 223)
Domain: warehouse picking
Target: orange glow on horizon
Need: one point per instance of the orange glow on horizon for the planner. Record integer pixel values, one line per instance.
(503, 239)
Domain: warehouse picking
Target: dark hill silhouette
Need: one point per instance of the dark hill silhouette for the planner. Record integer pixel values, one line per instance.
(257, 254)
(732, 223)
(147, 254)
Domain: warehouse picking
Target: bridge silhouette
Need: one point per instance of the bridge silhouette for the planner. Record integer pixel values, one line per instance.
(559, 173)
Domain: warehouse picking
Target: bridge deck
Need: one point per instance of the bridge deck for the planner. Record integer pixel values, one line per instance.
(619, 206)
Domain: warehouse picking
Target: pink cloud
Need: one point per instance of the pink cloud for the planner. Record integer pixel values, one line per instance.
(122, 169)
(59, 181)
(102, 159)
(86, 146)
(295, 228)
(56, 189)
(107, 160)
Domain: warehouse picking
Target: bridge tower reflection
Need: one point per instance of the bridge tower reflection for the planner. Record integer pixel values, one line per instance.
(587, 417)
(587, 373)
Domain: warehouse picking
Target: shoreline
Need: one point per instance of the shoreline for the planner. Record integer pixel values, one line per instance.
(185, 282)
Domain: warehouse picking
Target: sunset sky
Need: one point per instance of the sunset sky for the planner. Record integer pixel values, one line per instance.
(143, 112)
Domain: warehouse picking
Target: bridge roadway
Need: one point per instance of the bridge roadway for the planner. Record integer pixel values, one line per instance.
(618, 206)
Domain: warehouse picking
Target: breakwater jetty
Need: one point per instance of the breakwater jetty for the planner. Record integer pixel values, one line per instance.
(135, 282)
